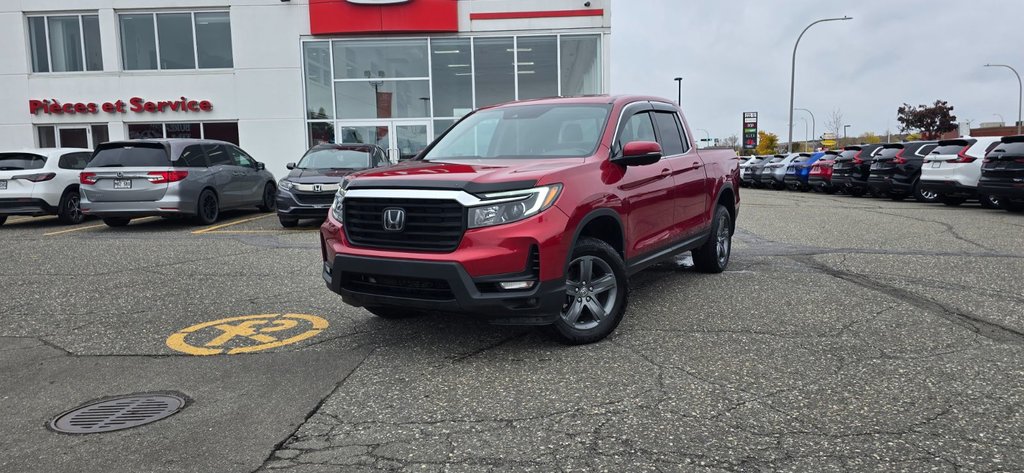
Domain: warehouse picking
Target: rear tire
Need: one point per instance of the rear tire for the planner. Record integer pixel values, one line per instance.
(70, 210)
(393, 313)
(713, 255)
(596, 295)
(951, 201)
(207, 208)
(3, 219)
(117, 221)
(830, 190)
(922, 195)
(269, 198)
(288, 222)
(989, 201)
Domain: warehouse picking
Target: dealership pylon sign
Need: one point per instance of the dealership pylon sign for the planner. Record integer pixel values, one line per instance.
(749, 130)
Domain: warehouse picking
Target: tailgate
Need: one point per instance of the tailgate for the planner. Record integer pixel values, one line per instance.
(125, 185)
(15, 188)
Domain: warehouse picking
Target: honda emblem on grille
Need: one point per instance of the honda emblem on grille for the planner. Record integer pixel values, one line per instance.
(318, 188)
(394, 219)
(120, 174)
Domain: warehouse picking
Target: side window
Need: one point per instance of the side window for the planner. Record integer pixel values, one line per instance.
(639, 127)
(671, 141)
(218, 155)
(74, 161)
(193, 157)
(239, 158)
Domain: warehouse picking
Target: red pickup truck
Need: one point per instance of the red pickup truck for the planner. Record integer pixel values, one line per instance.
(534, 213)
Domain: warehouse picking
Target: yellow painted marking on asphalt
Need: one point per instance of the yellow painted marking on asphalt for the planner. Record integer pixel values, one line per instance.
(245, 334)
(225, 225)
(80, 228)
(29, 219)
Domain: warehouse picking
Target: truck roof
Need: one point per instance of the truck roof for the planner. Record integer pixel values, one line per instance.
(585, 99)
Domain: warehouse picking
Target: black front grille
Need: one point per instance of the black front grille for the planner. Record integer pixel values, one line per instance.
(325, 198)
(430, 225)
(396, 286)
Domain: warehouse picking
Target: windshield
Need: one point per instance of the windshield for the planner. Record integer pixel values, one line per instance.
(20, 161)
(525, 131)
(888, 153)
(333, 158)
(131, 155)
(848, 154)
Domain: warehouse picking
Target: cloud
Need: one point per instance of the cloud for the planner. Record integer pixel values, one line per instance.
(735, 56)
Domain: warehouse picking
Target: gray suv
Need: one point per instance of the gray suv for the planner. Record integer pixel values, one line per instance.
(170, 177)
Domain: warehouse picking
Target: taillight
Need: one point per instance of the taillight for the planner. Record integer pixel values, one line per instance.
(856, 158)
(163, 177)
(40, 177)
(962, 156)
(899, 159)
(87, 178)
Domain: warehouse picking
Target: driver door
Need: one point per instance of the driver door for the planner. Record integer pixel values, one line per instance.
(647, 190)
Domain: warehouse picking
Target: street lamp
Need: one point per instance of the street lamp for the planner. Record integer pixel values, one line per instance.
(845, 135)
(805, 132)
(792, 76)
(814, 131)
(1020, 92)
(679, 90)
(708, 135)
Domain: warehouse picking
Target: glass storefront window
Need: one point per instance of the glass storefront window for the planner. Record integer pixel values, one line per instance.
(143, 131)
(138, 41)
(382, 99)
(317, 67)
(581, 65)
(180, 36)
(175, 33)
(537, 66)
(320, 133)
(495, 71)
(99, 134)
(213, 40)
(47, 136)
(387, 58)
(451, 71)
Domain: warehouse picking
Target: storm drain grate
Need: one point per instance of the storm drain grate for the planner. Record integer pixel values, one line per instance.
(118, 413)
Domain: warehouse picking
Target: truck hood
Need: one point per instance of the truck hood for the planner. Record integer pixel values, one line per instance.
(318, 176)
(472, 175)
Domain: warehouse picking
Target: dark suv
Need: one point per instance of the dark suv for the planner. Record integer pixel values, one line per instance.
(308, 189)
(852, 167)
(1002, 173)
(896, 171)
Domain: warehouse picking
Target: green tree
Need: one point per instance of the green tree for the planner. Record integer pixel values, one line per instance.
(930, 121)
(870, 138)
(766, 142)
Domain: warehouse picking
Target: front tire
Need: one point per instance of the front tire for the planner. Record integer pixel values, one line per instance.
(70, 209)
(596, 293)
(713, 255)
(207, 208)
(288, 222)
(117, 221)
(269, 198)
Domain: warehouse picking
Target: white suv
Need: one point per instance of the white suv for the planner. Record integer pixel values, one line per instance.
(42, 182)
(953, 168)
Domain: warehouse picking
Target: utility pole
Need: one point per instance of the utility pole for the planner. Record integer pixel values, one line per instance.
(792, 76)
(814, 132)
(679, 91)
(1020, 92)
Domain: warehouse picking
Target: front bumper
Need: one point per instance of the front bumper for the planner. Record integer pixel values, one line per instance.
(794, 180)
(439, 286)
(289, 205)
(26, 206)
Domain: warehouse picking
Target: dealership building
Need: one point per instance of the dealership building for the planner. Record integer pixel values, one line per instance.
(276, 76)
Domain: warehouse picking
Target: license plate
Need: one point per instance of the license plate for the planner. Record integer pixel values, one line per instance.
(122, 183)
(3, 185)
(937, 164)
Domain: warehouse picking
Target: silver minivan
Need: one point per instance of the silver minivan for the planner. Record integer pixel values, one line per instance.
(170, 177)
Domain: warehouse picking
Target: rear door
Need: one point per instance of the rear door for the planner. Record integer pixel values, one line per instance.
(122, 172)
(689, 175)
(229, 184)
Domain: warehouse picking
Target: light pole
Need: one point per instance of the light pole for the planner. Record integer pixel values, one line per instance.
(679, 90)
(792, 76)
(1020, 92)
(814, 124)
(1001, 119)
(845, 135)
(708, 135)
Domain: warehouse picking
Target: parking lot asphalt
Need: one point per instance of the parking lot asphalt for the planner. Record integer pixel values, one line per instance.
(849, 334)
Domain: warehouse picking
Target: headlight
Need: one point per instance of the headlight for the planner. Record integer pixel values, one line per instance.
(284, 184)
(513, 205)
(336, 209)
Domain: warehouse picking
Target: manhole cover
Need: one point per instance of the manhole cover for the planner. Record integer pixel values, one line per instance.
(118, 413)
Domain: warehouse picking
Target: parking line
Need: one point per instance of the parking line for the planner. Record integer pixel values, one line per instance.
(224, 225)
(80, 228)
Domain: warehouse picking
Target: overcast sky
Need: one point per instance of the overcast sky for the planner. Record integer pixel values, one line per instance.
(735, 55)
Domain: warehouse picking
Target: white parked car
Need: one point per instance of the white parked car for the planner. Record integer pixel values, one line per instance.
(952, 170)
(42, 182)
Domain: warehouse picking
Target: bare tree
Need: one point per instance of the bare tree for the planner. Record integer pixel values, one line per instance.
(729, 142)
(834, 123)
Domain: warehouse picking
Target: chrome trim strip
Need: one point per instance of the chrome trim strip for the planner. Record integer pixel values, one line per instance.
(324, 188)
(462, 197)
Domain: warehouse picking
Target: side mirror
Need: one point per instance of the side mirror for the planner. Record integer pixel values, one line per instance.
(260, 166)
(639, 153)
(290, 166)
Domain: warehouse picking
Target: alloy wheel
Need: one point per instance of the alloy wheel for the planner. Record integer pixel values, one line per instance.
(591, 291)
(73, 208)
(269, 198)
(723, 242)
(209, 207)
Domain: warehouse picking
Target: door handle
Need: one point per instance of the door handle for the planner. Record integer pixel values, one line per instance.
(666, 172)
(694, 165)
